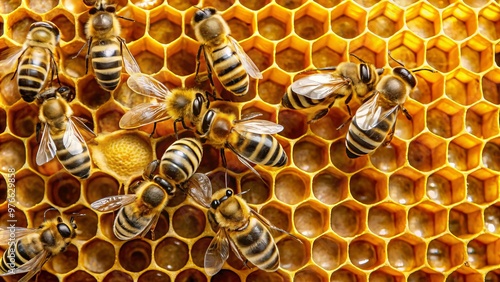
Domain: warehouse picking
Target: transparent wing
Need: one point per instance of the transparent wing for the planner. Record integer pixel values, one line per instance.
(72, 139)
(200, 188)
(246, 61)
(113, 203)
(319, 86)
(129, 61)
(80, 122)
(249, 116)
(10, 57)
(33, 266)
(245, 161)
(370, 114)
(148, 86)
(258, 126)
(217, 253)
(143, 114)
(270, 226)
(47, 148)
(17, 232)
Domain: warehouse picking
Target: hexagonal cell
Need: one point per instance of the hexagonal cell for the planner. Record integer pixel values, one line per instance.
(462, 80)
(65, 261)
(367, 252)
(13, 153)
(330, 186)
(491, 87)
(491, 154)
(348, 219)
(326, 127)
(384, 274)
(369, 48)
(340, 160)
(492, 276)
(291, 54)
(254, 5)
(86, 220)
(423, 20)
(274, 23)
(99, 256)
(91, 94)
(307, 24)
(348, 20)
(154, 276)
(9, 93)
(117, 275)
(260, 51)
(312, 274)
(108, 117)
(165, 24)
(459, 22)
(256, 190)
(293, 254)
(199, 249)
(240, 21)
(406, 186)
(291, 186)
(19, 29)
(63, 189)
(226, 275)
(310, 154)
(9, 6)
(446, 186)
(182, 57)
(29, 188)
(311, 219)
(273, 85)
(328, 51)
(150, 55)
(386, 220)
(348, 274)
(328, 252)
(407, 48)
(489, 22)
(390, 157)
(278, 214)
(464, 273)
(80, 275)
(464, 152)
(42, 6)
(171, 254)
(260, 275)
(188, 221)
(442, 54)
(65, 22)
(294, 123)
(3, 120)
(427, 220)
(368, 186)
(445, 119)
(445, 253)
(465, 220)
(135, 255)
(100, 185)
(476, 54)
(19, 216)
(427, 152)
(425, 274)
(406, 253)
(481, 120)
(429, 87)
(290, 4)
(482, 187)
(492, 219)
(132, 30)
(385, 19)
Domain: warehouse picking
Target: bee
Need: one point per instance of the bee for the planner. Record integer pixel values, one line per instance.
(241, 228)
(29, 248)
(180, 104)
(36, 66)
(223, 55)
(375, 120)
(106, 49)
(249, 139)
(60, 135)
(332, 83)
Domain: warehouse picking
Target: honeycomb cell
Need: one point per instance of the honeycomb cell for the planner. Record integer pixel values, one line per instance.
(390, 157)
(340, 160)
(274, 23)
(29, 188)
(465, 220)
(328, 51)
(423, 20)
(86, 220)
(347, 219)
(8, 91)
(99, 256)
(370, 48)
(291, 54)
(279, 215)
(199, 249)
(445, 253)
(326, 127)
(442, 54)
(330, 186)
(426, 152)
(293, 254)
(476, 54)
(309, 154)
(151, 60)
(273, 85)
(491, 154)
(492, 276)
(307, 23)
(482, 187)
(63, 189)
(135, 255)
(427, 219)
(348, 20)
(311, 219)
(459, 22)
(254, 5)
(22, 119)
(425, 275)
(92, 95)
(366, 252)
(406, 186)
(182, 57)
(311, 273)
(446, 186)
(226, 275)
(171, 254)
(240, 22)
(386, 220)
(347, 275)
(328, 252)
(257, 191)
(260, 275)
(3, 120)
(290, 4)
(294, 124)
(429, 87)
(19, 216)
(481, 120)
(66, 26)
(65, 261)
(161, 228)
(406, 253)
(166, 25)
(407, 48)
(20, 28)
(9, 6)
(100, 185)
(488, 22)
(490, 87)
(42, 6)
(460, 275)
(108, 118)
(147, 4)
(461, 81)
(464, 153)
(479, 252)
(154, 276)
(12, 153)
(385, 19)
(291, 187)
(80, 275)
(440, 122)
(188, 221)
(117, 275)
(261, 54)
(368, 186)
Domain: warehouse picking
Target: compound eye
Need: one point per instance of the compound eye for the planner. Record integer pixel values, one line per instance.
(364, 73)
(229, 192)
(64, 230)
(215, 204)
(197, 104)
(211, 11)
(110, 9)
(92, 11)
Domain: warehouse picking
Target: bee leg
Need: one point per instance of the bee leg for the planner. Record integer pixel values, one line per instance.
(406, 113)
(344, 123)
(238, 254)
(153, 131)
(198, 56)
(390, 135)
(79, 51)
(150, 168)
(318, 115)
(87, 55)
(224, 163)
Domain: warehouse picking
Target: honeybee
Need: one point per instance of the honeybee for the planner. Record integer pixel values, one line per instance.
(105, 46)
(249, 139)
(241, 228)
(331, 83)
(223, 55)
(375, 120)
(36, 66)
(60, 135)
(29, 248)
(180, 104)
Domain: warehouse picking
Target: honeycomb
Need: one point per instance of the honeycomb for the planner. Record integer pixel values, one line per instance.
(424, 208)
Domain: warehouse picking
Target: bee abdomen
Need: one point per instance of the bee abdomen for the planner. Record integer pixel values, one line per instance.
(360, 142)
(230, 71)
(261, 149)
(294, 101)
(78, 165)
(181, 159)
(14, 260)
(126, 227)
(107, 63)
(32, 74)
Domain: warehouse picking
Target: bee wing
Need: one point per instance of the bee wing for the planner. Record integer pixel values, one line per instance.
(370, 114)
(245, 161)
(80, 122)
(16, 232)
(318, 86)
(217, 253)
(72, 139)
(200, 188)
(259, 126)
(143, 114)
(129, 61)
(113, 203)
(249, 116)
(33, 266)
(11, 56)
(270, 226)
(246, 61)
(47, 148)
(146, 85)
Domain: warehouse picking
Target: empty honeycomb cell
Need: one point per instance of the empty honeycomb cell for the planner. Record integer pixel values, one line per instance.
(445, 253)
(481, 120)
(385, 19)
(386, 220)
(442, 54)
(385, 274)
(482, 187)
(440, 123)
(291, 187)
(340, 160)
(135, 255)
(42, 6)
(72, 65)
(293, 254)
(426, 152)
(220, 180)
(151, 59)
(171, 254)
(446, 186)
(461, 275)
(368, 186)
(188, 221)
(491, 90)
(8, 91)
(80, 275)
(348, 20)
(488, 22)
(182, 57)
(260, 54)
(266, 112)
(348, 274)
(254, 5)
(199, 249)
(65, 25)
(191, 274)
(425, 275)
(367, 252)
(370, 48)
(3, 120)
(390, 157)
(309, 154)
(459, 22)
(240, 21)
(311, 219)
(465, 220)
(100, 185)
(330, 186)
(161, 228)
(291, 55)
(99, 255)
(260, 275)
(135, 29)
(116, 275)
(20, 28)
(65, 261)
(9, 6)
(165, 25)
(429, 87)
(492, 219)
(475, 3)
(273, 85)
(423, 20)
(347, 219)
(63, 189)
(290, 4)
(310, 21)
(226, 275)
(29, 188)
(476, 54)
(256, 190)
(491, 155)
(279, 215)
(464, 152)
(274, 23)
(92, 95)
(328, 252)
(22, 119)
(407, 48)
(427, 219)
(406, 128)
(12, 153)
(19, 217)
(86, 220)
(406, 187)
(312, 274)
(327, 126)
(154, 276)
(406, 253)
(147, 4)
(108, 118)
(294, 123)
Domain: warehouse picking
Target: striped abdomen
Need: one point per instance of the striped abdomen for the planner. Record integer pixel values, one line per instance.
(107, 62)
(33, 72)
(228, 68)
(79, 164)
(261, 149)
(181, 159)
(360, 142)
(295, 101)
(24, 251)
(257, 245)
(129, 224)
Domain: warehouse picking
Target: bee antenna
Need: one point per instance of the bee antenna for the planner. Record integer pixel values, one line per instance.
(45, 213)
(243, 192)
(390, 56)
(430, 70)
(359, 59)
(78, 214)
(199, 8)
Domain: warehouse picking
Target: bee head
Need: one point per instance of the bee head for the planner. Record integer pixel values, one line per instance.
(207, 121)
(44, 31)
(406, 75)
(198, 104)
(217, 202)
(203, 14)
(66, 93)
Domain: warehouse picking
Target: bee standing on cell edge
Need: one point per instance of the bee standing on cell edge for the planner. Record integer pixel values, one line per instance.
(246, 231)
(180, 104)
(105, 46)
(60, 135)
(331, 83)
(36, 66)
(33, 247)
(375, 120)
(223, 54)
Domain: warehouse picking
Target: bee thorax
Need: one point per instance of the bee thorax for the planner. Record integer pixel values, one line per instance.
(103, 22)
